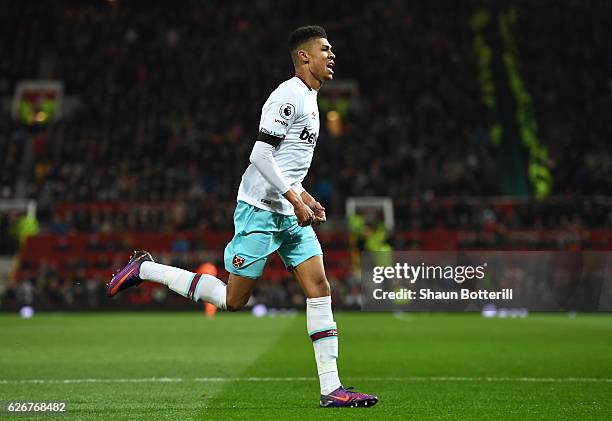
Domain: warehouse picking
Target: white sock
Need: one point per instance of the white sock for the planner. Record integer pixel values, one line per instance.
(322, 330)
(188, 284)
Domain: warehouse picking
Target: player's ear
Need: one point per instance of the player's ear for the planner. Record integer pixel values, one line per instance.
(303, 56)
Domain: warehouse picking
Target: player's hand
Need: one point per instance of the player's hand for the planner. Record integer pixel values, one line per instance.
(304, 214)
(319, 213)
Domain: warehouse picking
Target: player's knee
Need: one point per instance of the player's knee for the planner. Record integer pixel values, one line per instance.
(325, 288)
(235, 304)
(321, 287)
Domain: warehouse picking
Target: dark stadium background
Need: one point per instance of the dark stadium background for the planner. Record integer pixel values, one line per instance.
(487, 123)
(162, 105)
(162, 102)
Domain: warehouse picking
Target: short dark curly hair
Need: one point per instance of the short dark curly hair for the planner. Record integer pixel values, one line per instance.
(304, 33)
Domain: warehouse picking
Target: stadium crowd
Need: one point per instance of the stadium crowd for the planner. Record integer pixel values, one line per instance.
(170, 99)
(567, 63)
(169, 102)
(457, 214)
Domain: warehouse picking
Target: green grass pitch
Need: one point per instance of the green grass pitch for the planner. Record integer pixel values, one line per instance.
(181, 366)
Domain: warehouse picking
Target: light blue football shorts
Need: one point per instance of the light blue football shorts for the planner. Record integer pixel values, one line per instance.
(259, 233)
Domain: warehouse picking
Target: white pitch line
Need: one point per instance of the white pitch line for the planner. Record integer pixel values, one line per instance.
(313, 379)
(254, 379)
(71, 381)
(492, 379)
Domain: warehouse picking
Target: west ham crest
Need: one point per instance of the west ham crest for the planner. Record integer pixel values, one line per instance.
(238, 261)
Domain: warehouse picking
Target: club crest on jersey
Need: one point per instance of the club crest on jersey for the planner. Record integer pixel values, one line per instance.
(286, 111)
(238, 261)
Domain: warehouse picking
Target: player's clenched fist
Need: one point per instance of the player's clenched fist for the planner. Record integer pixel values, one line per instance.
(319, 213)
(304, 214)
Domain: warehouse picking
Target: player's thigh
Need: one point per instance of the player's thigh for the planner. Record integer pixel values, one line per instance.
(239, 290)
(254, 240)
(310, 274)
(298, 244)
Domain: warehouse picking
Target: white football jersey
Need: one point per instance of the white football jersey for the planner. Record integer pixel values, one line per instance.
(291, 116)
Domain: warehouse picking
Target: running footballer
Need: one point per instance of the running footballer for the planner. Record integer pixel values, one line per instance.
(274, 213)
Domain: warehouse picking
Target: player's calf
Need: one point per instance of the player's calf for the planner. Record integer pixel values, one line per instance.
(195, 286)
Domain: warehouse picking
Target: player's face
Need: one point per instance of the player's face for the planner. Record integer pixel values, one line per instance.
(321, 59)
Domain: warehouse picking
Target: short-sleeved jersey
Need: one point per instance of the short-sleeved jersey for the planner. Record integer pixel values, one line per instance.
(290, 115)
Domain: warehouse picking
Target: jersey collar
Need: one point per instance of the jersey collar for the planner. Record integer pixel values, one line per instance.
(302, 79)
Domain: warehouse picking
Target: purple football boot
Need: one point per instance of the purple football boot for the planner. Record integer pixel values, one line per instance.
(345, 397)
(128, 276)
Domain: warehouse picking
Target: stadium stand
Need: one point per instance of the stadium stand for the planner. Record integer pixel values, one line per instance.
(575, 74)
(169, 102)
